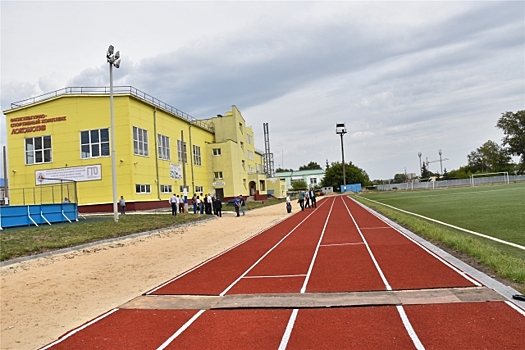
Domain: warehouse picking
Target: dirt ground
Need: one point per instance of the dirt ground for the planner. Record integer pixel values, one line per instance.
(41, 299)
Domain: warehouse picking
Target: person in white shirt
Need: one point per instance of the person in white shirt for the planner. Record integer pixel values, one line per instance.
(173, 202)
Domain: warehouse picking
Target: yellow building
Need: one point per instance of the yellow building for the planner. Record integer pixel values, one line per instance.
(159, 149)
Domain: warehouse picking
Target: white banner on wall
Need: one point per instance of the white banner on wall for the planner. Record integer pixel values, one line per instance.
(175, 171)
(79, 173)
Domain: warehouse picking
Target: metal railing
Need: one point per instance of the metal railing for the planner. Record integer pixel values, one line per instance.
(118, 90)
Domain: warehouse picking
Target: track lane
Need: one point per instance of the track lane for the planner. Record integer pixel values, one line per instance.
(405, 264)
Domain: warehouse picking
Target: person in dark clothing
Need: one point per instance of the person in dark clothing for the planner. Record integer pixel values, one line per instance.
(237, 203)
(173, 203)
(312, 197)
(218, 207)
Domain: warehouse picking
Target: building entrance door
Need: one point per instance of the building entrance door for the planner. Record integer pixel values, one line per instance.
(219, 193)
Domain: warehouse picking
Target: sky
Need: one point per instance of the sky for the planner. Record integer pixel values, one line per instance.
(405, 77)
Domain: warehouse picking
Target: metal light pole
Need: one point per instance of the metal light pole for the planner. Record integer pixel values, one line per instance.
(420, 165)
(340, 129)
(440, 162)
(113, 60)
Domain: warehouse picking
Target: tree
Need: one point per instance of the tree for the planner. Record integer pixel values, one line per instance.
(513, 126)
(310, 166)
(490, 157)
(425, 173)
(400, 178)
(281, 170)
(461, 173)
(299, 185)
(333, 176)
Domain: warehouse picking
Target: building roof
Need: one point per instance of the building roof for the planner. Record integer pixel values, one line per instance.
(299, 172)
(118, 91)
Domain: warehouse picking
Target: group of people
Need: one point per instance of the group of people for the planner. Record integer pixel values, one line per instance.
(307, 197)
(178, 204)
(208, 204)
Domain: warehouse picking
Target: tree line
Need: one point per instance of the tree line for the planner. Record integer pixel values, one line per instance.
(489, 157)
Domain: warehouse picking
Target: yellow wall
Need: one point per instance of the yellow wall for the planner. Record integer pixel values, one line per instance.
(90, 112)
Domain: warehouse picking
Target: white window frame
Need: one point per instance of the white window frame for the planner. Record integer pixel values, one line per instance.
(180, 154)
(101, 145)
(197, 159)
(163, 143)
(199, 189)
(166, 189)
(217, 175)
(46, 153)
(140, 142)
(216, 152)
(142, 189)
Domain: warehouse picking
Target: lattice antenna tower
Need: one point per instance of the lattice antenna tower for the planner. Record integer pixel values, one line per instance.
(268, 156)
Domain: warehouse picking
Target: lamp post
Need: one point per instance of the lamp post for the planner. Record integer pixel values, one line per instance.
(113, 60)
(340, 129)
(440, 162)
(420, 166)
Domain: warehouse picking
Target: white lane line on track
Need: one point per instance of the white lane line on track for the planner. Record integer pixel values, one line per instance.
(309, 273)
(78, 329)
(339, 244)
(215, 257)
(409, 328)
(374, 228)
(457, 270)
(515, 307)
(180, 330)
(288, 330)
(291, 321)
(187, 324)
(275, 276)
(265, 254)
(385, 282)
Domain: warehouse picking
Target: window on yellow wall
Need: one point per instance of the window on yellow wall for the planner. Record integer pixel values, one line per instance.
(182, 152)
(140, 141)
(240, 126)
(166, 189)
(94, 143)
(139, 188)
(218, 174)
(164, 147)
(216, 151)
(38, 150)
(197, 160)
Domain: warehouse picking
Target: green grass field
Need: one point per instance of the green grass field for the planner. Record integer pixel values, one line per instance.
(492, 210)
(497, 210)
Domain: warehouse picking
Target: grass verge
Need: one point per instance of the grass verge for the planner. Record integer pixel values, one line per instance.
(24, 241)
(498, 262)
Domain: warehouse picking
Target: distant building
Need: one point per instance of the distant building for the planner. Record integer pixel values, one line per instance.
(160, 150)
(311, 177)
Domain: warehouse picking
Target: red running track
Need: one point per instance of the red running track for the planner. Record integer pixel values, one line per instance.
(338, 247)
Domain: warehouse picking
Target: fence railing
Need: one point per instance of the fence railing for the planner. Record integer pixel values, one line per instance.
(117, 90)
(449, 183)
(44, 194)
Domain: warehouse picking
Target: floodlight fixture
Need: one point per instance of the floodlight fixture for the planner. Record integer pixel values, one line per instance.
(117, 55)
